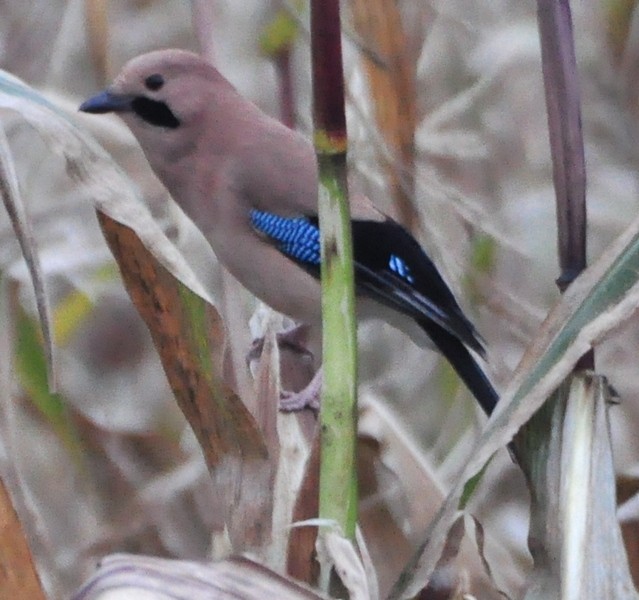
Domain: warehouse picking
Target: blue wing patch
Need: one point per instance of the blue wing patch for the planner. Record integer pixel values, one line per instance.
(399, 267)
(297, 237)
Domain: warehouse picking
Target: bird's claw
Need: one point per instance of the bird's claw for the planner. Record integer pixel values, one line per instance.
(309, 397)
(296, 401)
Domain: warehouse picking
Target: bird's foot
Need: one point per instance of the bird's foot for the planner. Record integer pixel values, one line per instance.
(296, 369)
(309, 397)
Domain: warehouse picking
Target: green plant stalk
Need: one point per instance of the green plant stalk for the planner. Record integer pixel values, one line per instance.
(338, 416)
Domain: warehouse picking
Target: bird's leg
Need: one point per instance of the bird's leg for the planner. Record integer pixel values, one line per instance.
(294, 341)
(309, 397)
(301, 389)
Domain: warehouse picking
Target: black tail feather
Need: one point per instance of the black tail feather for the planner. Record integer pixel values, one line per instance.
(464, 364)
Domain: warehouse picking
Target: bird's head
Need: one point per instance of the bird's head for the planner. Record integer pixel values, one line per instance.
(163, 96)
(164, 89)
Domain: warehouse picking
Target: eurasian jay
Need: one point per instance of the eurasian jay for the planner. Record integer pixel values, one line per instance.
(251, 185)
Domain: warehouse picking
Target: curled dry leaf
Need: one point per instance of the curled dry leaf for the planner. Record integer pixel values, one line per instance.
(288, 449)
(342, 555)
(134, 575)
(576, 540)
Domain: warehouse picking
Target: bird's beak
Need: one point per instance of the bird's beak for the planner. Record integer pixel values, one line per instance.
(107, 101)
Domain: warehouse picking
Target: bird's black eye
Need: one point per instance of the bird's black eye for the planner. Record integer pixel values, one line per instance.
(154, 82)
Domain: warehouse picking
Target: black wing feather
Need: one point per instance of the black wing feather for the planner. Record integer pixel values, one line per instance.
(464, 364)
(374, 242)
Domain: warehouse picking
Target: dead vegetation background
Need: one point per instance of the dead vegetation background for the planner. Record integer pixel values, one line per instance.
(108, 464)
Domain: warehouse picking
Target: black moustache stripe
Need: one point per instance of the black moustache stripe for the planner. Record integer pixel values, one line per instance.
(154, 112)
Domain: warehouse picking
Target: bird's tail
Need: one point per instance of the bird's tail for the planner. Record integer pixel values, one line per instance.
(464, 364)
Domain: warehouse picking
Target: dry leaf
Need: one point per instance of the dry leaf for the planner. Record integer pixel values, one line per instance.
(134, 576)
(18, 577)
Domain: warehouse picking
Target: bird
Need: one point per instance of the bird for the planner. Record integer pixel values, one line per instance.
(251, 186)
